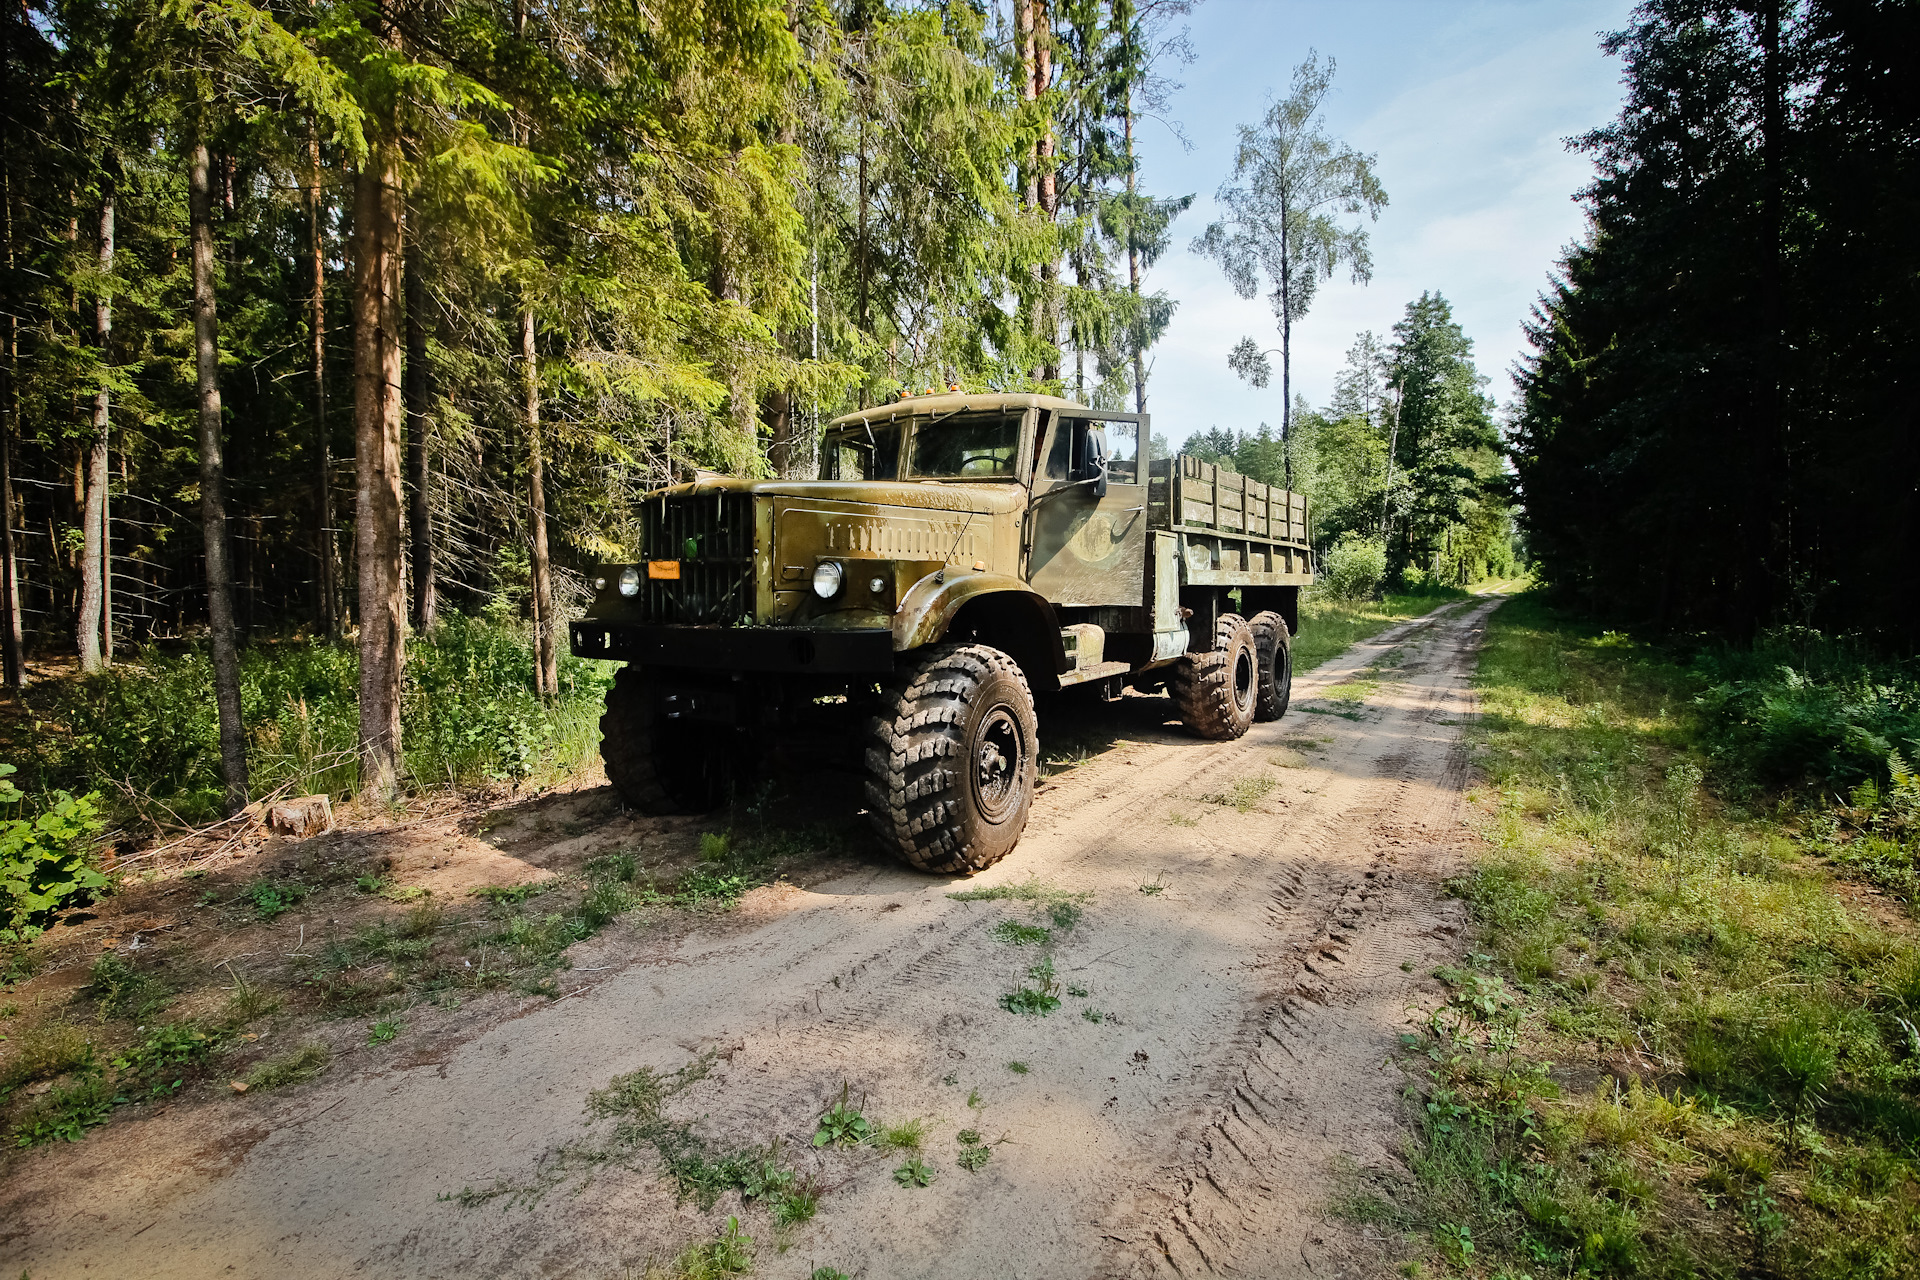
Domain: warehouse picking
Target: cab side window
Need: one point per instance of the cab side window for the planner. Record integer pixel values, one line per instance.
(1123, 452)
(1066, 459)
(1075, 448)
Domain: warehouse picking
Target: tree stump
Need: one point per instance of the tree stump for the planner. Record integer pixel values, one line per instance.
(301, 816)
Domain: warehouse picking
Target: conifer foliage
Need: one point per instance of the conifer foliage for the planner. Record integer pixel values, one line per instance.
(1719, 429)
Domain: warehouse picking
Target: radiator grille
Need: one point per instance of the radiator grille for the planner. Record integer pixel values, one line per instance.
(711, 535)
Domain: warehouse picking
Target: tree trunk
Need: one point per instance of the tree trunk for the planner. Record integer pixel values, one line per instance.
(862, 273)
(1133, 266)
(783, 425)
(546, 675)
(325, 543)
(1286, 353)
(418, 391)
(93, 510)
(213, 481)
(1048, 188)
(376, 433)
(12, 652)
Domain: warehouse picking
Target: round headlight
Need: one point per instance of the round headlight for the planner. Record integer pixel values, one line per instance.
(826, 579)
(878, 586)
(599, 584)
(630, 581)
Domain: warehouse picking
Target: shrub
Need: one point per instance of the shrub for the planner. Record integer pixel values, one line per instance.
(1354, 568)
(45, 860)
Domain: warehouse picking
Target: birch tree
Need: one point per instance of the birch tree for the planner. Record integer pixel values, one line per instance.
(1291, 185)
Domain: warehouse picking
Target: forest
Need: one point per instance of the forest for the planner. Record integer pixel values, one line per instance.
(333, 320)
(1717, 429)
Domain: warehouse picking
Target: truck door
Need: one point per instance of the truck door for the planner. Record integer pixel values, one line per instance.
(1085, 548)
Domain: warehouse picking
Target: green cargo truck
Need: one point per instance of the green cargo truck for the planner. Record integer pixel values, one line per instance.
(959, 554)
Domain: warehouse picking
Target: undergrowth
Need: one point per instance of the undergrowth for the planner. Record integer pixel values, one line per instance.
(1681, 1052)
(146, 733)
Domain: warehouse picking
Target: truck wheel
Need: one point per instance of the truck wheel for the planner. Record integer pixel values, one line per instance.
(660, 766)
(951, 759)
(1274, 645)
(1215, 692)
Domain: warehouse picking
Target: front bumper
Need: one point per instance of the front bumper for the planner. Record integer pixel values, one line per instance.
(866, 650)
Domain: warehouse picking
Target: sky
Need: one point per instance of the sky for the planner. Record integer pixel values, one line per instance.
(1466, 105)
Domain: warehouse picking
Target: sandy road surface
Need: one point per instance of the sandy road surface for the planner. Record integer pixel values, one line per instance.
(1253, 1001)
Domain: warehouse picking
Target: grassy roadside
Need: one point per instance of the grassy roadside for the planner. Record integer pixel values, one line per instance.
(1681, 1046)
(1329, 627)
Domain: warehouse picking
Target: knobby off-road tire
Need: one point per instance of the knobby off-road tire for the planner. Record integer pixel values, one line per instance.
(1215, 692)
(952, 758)
(657, 765)
(1274, 645)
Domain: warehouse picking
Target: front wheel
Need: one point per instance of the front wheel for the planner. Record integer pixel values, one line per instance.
(657, 763)
(952, 758)
(1273, 645)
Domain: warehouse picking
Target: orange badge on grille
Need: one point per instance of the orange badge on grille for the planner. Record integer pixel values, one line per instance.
(663, 569)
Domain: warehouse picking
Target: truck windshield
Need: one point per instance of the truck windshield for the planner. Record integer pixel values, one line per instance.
(864, 453)
(966, 445)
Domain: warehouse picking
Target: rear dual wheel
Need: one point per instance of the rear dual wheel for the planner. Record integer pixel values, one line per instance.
(1218, 691)
(1273, 646)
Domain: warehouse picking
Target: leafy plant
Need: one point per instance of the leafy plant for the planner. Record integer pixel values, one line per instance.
(914, 1173)
(45, 860)
(1036, 997)
(67, 1112)
(272, 898)
(383, 1031)
(842, 1125)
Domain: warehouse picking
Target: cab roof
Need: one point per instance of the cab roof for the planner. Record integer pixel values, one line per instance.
(950, 402)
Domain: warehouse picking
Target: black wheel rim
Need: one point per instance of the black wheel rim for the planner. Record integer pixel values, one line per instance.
(998, 763)
(1245, 670)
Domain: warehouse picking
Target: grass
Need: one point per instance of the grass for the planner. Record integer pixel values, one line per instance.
(902, 1135)
(1329, 628)
(1021, 935)
(633, 1110)
(1680, 1048)
(296, 1066)
(1245, 794)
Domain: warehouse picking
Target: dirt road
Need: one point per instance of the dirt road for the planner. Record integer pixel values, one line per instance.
(1255, 921)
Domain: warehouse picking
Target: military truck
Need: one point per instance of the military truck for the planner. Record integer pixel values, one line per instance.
(959, 554)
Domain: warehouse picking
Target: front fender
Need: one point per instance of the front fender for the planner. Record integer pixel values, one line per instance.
(931, 604)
